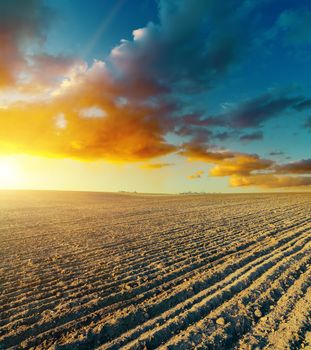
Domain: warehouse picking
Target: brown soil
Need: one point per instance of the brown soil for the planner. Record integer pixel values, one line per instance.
(120, 271)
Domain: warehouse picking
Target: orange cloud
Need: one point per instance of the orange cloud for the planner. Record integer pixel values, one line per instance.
(227, 162)
(242, 164)
(197, 152)
(249, 169)
(133, 132)
(121, 136)
(152, 166)
(196, 175)
(270, 181)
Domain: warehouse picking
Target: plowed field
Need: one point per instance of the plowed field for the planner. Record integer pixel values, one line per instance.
(121, 271)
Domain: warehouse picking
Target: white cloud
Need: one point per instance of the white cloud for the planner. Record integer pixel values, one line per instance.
(60, 121)
(121, 101)
(92, 112)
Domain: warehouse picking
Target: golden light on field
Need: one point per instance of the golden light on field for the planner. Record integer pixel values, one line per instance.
(259, 246)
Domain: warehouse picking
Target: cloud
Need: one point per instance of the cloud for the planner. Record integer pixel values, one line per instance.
(269, 181)
(247, 174)
(185, 51)
(301, 167)
(255, 136)
(197, 175)
(307, 123)
(21, 23)
(198, 152)
(133, 133)
(60, 121)
(254, 171)
(276, 153)
(69, 122)
(129, 135)
(294, 26)
(242, 164)
(199, 132)
(252, 113)
(224, 135)
(191, 46)
(92, 112)
(152, 166)
(227, 162)
(55, 69)
(194, 44)
(304, 104)
(199, 120)
(250, 169)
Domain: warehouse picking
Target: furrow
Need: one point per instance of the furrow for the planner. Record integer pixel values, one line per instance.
(129, 319)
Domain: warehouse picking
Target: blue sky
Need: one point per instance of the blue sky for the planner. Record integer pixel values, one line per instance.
(216, 90)
(79, 21)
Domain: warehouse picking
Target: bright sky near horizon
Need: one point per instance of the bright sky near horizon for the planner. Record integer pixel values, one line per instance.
(155, 96)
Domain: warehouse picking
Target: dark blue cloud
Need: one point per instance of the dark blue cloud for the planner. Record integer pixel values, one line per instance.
(301, 167)
(21, 23)
(307, 123)
(276, 153)
(194, 43)
(254, 112)
(254, 136)
(304, 104)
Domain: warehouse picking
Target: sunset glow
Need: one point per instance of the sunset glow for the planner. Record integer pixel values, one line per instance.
(179, 83)
(9, 173)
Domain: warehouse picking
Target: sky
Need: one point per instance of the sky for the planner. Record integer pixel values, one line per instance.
(157, 96)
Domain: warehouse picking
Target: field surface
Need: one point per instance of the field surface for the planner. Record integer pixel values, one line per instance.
(120, 271)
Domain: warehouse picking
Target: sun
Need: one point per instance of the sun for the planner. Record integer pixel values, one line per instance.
(9, 174)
